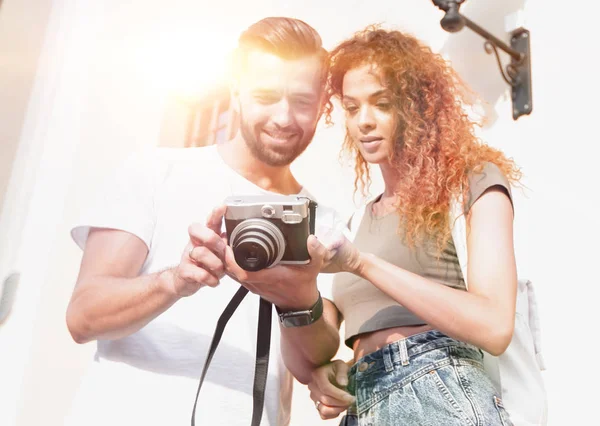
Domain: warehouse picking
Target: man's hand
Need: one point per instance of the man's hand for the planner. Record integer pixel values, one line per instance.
(202, 261)
(327, 389)
(289, 287)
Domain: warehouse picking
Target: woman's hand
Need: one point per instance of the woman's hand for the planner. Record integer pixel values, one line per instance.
(327, 389)
(342, 255)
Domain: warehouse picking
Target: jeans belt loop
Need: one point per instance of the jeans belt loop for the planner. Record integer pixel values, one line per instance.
(403, 352)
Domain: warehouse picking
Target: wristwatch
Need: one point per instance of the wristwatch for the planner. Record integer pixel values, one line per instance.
(302, 318)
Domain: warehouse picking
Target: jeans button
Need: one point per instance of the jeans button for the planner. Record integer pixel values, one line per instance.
(363, 367)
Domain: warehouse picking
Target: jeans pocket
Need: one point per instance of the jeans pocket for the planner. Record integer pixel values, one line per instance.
(452, 392)
(504, 418)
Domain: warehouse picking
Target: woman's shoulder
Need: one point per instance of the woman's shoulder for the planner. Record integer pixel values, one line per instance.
(484, 177)
(486, 170)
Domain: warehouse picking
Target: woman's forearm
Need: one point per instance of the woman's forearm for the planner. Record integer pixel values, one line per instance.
(463, 315)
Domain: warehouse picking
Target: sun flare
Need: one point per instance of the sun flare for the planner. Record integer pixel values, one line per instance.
(186, 63)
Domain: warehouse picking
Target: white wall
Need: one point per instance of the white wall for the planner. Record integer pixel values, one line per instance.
(19, 54)
(33, 203)
(557, 239)
(101, 95)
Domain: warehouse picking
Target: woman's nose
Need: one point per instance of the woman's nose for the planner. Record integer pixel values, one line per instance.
(366, 121)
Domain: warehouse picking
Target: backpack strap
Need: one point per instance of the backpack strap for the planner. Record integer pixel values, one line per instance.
(533, 321)
(459, 234)
(357, 217)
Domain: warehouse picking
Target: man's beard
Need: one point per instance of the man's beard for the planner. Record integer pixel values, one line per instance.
(269, 156)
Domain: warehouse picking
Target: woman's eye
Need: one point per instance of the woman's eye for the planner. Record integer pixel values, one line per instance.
(351, 108)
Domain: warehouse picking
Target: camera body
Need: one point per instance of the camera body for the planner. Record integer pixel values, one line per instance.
(266, 230)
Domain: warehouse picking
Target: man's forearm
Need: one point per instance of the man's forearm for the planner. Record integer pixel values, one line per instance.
(308, 347)
(111, 308)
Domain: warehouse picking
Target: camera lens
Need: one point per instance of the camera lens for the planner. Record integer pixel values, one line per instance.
(257, 244)
(251, 256)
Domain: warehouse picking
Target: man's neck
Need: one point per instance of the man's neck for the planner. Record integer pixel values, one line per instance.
(279, 179)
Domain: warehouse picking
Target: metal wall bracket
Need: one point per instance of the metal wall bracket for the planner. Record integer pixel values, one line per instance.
(518, 72)
(521, 88)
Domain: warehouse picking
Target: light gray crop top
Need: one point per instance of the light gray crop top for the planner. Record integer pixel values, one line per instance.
(364, 307)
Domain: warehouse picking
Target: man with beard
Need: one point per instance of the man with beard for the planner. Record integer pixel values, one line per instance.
(152, 280)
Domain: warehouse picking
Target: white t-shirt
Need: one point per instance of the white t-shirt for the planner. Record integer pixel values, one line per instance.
(150, 377)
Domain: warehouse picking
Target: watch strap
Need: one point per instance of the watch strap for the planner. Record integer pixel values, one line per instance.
(303, 317)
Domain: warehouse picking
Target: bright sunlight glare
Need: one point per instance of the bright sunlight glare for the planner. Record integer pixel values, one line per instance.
(185, 62)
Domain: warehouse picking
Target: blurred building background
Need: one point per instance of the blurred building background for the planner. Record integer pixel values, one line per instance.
(84, 83)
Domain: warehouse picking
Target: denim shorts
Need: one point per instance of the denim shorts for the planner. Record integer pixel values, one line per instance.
(425, 379)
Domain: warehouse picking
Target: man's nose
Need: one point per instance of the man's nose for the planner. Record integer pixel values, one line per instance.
(283, 115)
(366, 121)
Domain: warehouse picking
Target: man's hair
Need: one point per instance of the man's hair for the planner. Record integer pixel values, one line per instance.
(287, 38)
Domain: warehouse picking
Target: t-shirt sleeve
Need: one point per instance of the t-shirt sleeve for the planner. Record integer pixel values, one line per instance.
(125, 200)
(489, 177)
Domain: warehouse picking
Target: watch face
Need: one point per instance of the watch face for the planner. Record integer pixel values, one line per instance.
(301, 318)
(296, 319)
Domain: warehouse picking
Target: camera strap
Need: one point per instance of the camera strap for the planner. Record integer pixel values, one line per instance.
(263, 344)
(263, 341)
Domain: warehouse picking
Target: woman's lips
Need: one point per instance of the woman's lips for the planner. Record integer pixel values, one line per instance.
(371, 145)
(368, 139)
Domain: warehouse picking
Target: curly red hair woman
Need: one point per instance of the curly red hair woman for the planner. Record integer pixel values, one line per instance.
(416, 331)
(434, 147)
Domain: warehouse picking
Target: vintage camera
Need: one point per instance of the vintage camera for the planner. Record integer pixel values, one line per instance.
(266, 230)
